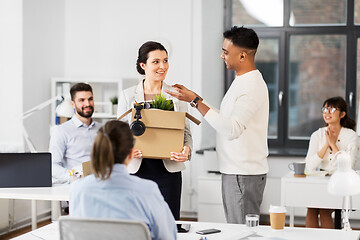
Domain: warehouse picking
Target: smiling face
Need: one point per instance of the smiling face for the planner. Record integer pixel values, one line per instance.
(332, 116)
(232, 55)
(83, 103)
(156, 65)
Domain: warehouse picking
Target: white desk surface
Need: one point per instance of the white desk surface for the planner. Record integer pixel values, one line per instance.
(289, 176)
(56, 193)
(310, 191)
(228, 232)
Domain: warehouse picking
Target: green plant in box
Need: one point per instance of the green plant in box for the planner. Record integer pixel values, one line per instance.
(160, 102)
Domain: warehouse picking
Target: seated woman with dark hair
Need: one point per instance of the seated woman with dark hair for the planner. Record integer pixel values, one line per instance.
(112, 193)
(338, 135)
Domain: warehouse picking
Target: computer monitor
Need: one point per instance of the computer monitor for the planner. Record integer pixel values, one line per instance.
(25, 170)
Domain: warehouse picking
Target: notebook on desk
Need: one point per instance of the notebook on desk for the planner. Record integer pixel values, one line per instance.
(25, 170)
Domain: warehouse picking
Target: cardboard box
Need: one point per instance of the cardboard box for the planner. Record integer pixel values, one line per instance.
(164, 132)
(87, 168)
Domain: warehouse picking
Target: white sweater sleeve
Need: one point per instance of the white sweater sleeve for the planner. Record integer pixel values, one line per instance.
(233, 126)
(353, 147)
(312, 159)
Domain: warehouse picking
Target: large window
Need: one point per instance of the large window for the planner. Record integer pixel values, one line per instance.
(267, 60)
(308, 52)
(317, 12)
(358, 85)
(357, 12)
(316, 72)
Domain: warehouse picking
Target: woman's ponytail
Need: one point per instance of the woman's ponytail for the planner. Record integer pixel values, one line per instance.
(102, 156)
(112, 145)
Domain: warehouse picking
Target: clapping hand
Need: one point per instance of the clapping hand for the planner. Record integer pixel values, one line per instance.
(330, 136)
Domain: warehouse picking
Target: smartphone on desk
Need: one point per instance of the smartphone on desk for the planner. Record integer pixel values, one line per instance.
(208, 231)
(183, 228)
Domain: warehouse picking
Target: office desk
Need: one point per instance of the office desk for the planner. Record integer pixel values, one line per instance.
(228, 232)
(55, 194)
(310, 191)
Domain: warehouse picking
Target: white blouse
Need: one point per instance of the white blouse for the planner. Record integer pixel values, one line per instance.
(347, 141)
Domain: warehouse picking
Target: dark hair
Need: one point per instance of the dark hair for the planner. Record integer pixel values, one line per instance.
(112, 145)
(340, 103)
(143, 54)
(242, 37)
(79, 87)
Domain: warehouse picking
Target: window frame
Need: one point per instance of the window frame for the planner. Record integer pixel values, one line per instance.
(283, 145)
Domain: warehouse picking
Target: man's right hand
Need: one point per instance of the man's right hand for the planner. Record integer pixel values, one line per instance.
(182, 93)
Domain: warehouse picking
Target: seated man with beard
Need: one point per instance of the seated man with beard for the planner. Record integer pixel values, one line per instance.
(71, 142)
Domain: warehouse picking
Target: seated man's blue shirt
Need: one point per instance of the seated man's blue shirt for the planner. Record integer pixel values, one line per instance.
(70, 145)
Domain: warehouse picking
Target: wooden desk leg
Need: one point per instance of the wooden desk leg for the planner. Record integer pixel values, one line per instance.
(33, 214)
(291, 211)
(55, 210)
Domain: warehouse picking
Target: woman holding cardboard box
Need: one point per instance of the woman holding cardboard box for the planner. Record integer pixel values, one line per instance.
(153, 63)
(324, 143)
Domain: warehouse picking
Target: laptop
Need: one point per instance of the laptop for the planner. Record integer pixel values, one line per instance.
(25, 170)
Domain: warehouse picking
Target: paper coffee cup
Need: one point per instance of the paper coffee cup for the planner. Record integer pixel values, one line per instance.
(277, 217)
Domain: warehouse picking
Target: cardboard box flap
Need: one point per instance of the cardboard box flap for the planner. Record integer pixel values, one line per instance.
(156, 118)
(192, 118)
(87, 168)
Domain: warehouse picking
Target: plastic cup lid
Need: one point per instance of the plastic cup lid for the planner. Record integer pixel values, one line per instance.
(277, 209)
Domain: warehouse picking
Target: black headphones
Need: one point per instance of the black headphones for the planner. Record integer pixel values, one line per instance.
(137, 127)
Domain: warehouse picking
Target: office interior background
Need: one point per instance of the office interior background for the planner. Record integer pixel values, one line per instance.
(309, 51)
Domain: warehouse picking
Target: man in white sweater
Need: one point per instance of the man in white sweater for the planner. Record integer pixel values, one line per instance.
(241, 126)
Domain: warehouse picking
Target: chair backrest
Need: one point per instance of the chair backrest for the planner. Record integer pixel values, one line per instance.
(104, 229)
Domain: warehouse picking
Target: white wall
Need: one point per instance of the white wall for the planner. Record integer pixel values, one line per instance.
(102, 37)
(212, 81)
(11, 94)
(208, 82)
(43, 58)
(10, 84)
(42, 54)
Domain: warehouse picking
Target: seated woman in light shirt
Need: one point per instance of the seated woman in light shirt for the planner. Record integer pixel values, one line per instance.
(324, 143)
(112, 193)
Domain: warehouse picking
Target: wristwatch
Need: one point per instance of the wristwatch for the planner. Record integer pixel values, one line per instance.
(194, 102)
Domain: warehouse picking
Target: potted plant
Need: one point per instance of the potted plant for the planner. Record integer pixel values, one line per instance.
(160, 102)
(114, 101)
